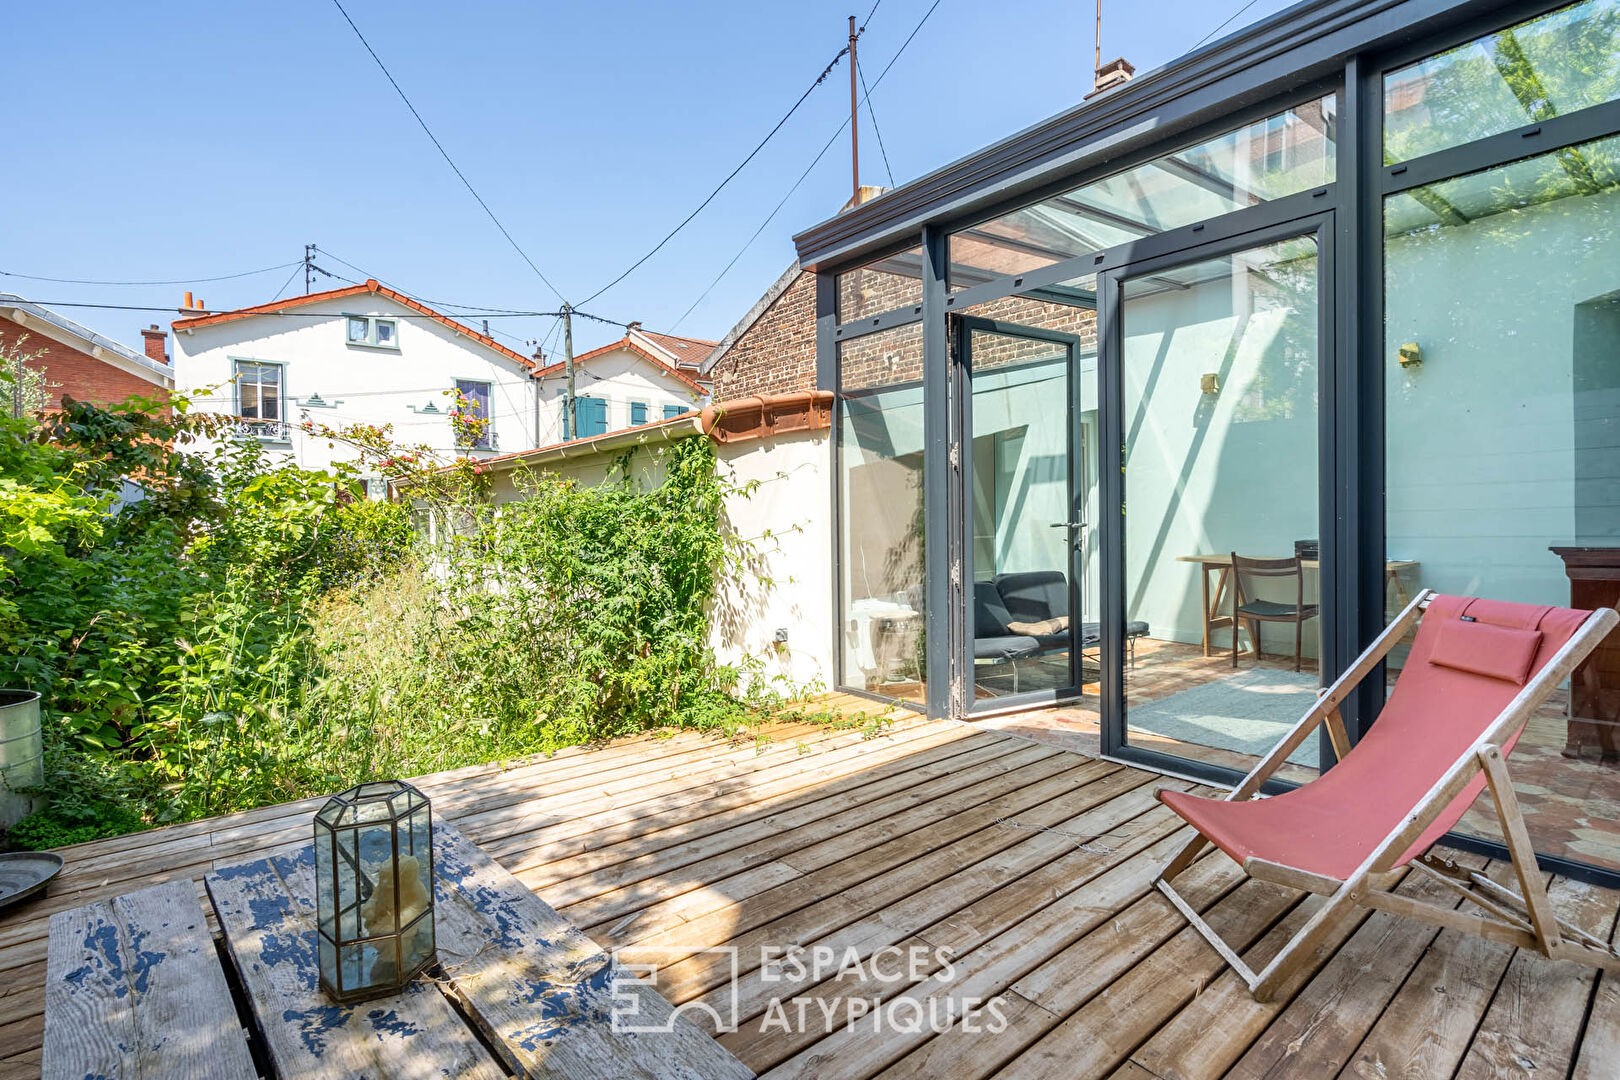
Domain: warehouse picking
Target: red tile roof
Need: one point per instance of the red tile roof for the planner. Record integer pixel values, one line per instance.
(689, 352)
(370, 286)
(628, 343)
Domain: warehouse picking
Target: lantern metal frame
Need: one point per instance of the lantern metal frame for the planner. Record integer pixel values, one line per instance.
(354, 812)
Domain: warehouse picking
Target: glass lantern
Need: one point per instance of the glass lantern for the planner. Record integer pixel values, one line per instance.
(374, 889)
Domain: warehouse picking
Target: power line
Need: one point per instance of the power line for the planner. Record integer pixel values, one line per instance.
(305, 314)
(176, 281)
(445, 154)
(729, 176)
(1225, 24)
(867, 97)
(809, 168)
(277, 294)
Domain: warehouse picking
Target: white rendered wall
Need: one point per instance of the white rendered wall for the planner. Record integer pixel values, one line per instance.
(787, 583)
(620, 378)
(360, 384)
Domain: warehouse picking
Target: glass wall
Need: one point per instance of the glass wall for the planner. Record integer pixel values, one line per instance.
(1219, 378)
(1279, 155)
(1552, 66)
(880, 491)
(881, 285)
(1502, 340)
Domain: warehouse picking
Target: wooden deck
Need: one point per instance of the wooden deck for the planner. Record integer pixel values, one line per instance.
(1014, 869)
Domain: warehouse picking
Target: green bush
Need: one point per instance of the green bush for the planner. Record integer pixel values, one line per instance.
(248, 632)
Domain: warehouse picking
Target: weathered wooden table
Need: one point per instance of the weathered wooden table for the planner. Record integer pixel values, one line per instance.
(539, 992)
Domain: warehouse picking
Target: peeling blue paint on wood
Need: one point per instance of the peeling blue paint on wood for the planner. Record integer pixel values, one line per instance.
(313, 1024)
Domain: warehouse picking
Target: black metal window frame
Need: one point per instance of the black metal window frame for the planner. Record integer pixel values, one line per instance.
(1331, 44)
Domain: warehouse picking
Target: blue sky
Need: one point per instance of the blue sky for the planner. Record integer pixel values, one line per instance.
(188, 140)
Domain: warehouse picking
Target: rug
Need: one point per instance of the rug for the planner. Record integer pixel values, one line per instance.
(1247, 712)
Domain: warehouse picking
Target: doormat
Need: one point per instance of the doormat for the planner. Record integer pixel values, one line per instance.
(1247, 711)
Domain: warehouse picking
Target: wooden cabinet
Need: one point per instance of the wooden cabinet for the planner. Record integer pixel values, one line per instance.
(1594, 688)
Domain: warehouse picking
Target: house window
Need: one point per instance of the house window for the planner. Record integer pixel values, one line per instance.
(592, 414)
(471, 419)
(675, 410)
(258, 398)
(638, 413)
(372, 331)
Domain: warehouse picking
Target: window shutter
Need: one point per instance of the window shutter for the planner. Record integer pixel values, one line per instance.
(638, 412)
(674, 410)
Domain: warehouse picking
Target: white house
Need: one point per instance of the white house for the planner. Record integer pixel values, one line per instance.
(641, 378)
(363, 354)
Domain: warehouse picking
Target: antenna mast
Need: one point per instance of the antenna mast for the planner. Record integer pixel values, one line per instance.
(854, 118)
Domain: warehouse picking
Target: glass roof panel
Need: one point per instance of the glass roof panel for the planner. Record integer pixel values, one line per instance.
(1562, 62)
(1268, 159)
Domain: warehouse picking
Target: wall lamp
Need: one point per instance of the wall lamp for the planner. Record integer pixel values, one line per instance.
(1209, 383)
(1409, 355)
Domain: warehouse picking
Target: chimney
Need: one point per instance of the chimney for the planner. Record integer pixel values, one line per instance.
(193, 308)
(1114, 73)
(155, 340)
(634, 324)
(867, 193)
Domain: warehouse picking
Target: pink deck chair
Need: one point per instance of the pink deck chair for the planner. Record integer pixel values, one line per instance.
(1477, 671)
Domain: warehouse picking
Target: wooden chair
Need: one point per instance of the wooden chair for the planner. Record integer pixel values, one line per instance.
(1254, 611)
(1477, 671)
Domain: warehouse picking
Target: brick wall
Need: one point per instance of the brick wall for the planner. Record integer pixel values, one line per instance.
(73, 372)
(776, 354)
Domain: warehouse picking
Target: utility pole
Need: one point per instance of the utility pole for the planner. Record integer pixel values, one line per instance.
(570, 413)
(309, 251)
(1098, 62)
(854, 117)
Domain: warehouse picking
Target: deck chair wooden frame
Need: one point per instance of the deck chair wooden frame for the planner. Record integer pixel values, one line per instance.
(1524, 918)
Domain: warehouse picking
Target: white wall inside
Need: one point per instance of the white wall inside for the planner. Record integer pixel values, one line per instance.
(1482, 437)
(1217, 473)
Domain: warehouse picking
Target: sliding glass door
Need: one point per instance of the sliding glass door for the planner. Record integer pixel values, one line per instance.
(1214, 360)
(1028, 477)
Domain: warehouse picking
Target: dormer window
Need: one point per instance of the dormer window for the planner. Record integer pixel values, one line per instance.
(371, 331)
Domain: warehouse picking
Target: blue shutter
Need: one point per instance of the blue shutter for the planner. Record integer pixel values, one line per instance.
(674, 410)
(592, 413)
(638, 412)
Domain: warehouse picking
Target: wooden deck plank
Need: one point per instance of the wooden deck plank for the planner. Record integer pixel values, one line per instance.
(267, 909)
(698, 889)
(544, 993)
(823, 922)
(699, 813)
(1067, 977)
(1600, 1045)
(1103, 1033)
(582, 846)
(758, 834)
(1426, 1029)
(1535, 1019)
(844, 861)
(1319, 1030)
(969, 875)
(134, 988)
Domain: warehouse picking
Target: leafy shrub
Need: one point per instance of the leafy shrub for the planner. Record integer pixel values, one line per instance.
(239, 631)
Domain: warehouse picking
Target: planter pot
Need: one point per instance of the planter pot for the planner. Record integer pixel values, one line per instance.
(22, 754)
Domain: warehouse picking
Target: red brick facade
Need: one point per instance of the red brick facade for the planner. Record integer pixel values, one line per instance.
(777, 354)
(68, 371)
